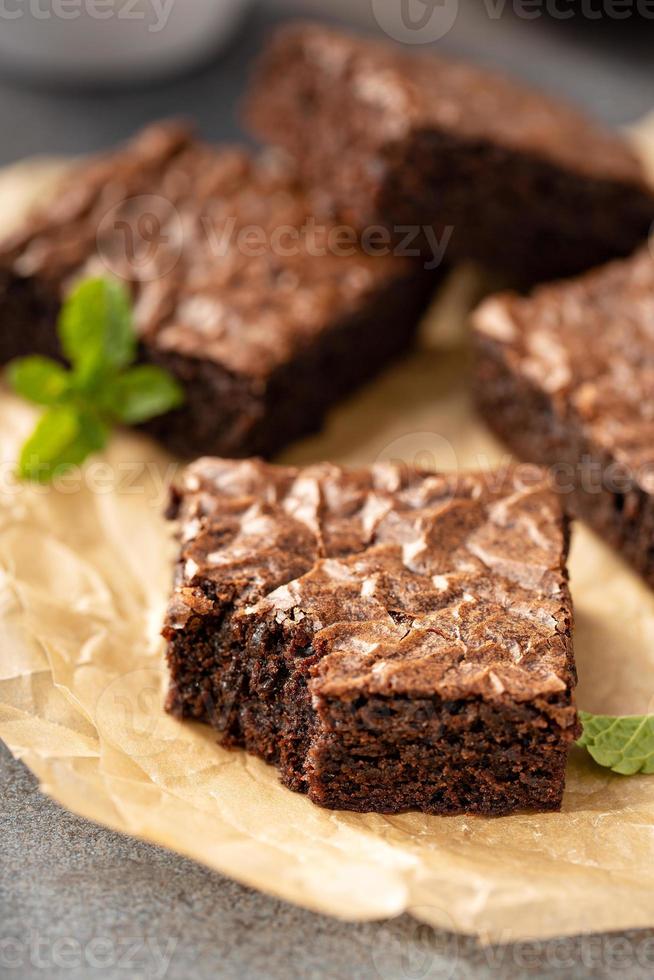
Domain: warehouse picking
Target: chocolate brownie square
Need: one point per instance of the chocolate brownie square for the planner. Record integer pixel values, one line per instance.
(389, 639)
(566, 378)
(522, 183)
(242, 287)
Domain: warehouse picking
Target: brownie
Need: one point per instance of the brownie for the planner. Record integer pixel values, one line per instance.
(524, 184)
(566, 377)
(389, 639)
(242, 286)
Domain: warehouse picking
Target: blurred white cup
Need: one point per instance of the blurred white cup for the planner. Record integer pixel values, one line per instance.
(112, 40)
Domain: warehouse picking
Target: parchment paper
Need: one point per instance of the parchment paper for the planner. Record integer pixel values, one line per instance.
(84, 574)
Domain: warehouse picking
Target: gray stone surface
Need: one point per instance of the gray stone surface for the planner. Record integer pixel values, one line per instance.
(79, 901)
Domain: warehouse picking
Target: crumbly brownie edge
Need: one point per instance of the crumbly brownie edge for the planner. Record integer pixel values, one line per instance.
(446, 757)
(523, 417)
(239, 678)
(382, 754)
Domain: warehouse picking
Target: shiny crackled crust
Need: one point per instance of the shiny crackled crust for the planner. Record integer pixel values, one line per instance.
(527, 183)
(198, 293)
(566, 377)
(240, 288)
(403, 91)
(342, 589)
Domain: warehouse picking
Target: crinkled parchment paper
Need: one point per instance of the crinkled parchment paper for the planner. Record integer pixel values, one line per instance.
(84, 572)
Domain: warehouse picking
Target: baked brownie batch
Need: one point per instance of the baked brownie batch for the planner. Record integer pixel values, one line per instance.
(389, 639)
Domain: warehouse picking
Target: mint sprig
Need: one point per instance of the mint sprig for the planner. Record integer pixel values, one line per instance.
(99, 389)
(624, 744)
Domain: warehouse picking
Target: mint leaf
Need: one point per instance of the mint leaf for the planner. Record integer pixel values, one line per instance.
(95, 329)
(141, 393)
(63, 437)
(624, 744)
(98, 338)
(39, 379)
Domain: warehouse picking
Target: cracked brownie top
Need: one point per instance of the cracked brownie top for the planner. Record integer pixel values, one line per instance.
(393, 93)
(228, 258)
(588, 343)
(406, 582)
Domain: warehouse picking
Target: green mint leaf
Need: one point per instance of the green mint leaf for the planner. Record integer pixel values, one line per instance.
(64, 436)
(623, 744)
(141, 393)
(96, 331)
(97, 336)
(39, 379)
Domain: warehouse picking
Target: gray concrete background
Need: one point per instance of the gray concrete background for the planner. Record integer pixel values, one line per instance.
(79, 901)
